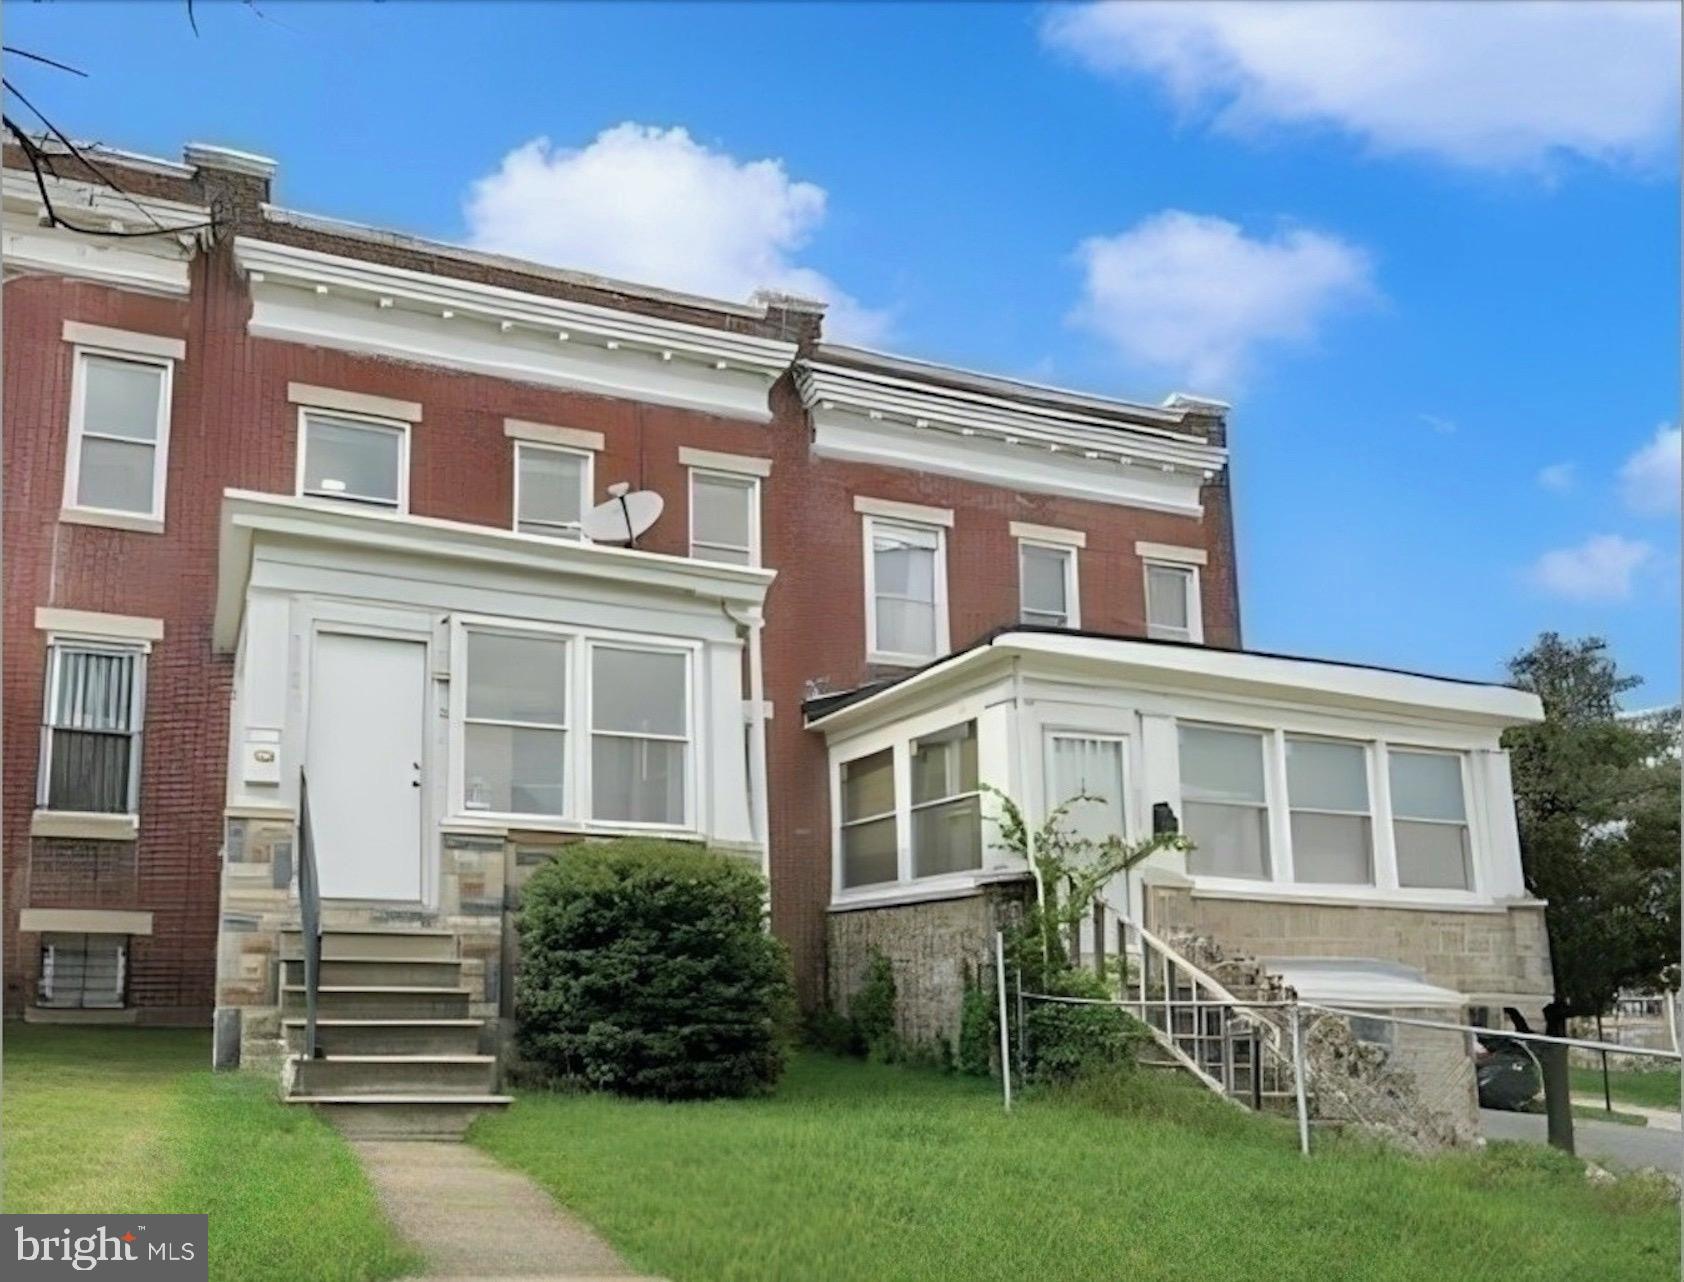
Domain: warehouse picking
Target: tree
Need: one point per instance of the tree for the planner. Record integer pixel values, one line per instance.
(1598, 803)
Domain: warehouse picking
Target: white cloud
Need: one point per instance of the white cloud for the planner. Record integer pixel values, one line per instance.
(1443, 426)
(1483, 84)
(657, 207)
(1599, 569)
(1557, 476)
(1650, 479)
(1195, 296)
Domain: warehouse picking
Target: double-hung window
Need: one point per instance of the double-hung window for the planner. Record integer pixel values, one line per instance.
(1429, 820)
(1226, 802)
(906, 591)
(552, 489)
(90, 738)
(119, 431)
(870, 840)
(359, 460)
(640, 735)
(724, 517)
(1047, 584)
(946, 802)
(514, 724)
(1327, 791)
(1172, 602)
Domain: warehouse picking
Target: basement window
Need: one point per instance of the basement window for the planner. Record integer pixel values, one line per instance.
(83, 972)
(356, 460)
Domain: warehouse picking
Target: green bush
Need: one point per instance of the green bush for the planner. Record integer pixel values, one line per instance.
(646, 968)
(872, 1010)
(1068, 1042)
(979, 1031)
(824, 1030)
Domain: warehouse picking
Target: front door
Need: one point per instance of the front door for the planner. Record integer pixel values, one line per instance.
(364, 761)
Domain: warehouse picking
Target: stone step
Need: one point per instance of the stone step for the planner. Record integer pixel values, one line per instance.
(380, 972)
(401, 1117)
(379, 1002)
(388, 1036)
(394, 1075)
(378, 942)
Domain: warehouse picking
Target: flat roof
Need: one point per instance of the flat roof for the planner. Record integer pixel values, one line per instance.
(1365, 982)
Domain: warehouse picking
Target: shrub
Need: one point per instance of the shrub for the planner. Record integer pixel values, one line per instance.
(873, 1011)
(824, 1030)
(979, 1031)
(646, 969)
(1069, 1042)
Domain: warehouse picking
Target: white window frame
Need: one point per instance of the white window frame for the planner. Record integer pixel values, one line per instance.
(1368, 757)
(44, 981)
(843, 824)
(1072, 591)
(398, 426)
(688, 738)
(741, 480)
(1277, 856)
(1475, 885)
(909, 875)
(57, 643)
(80, 353)
(870, 523)
(587, 491)
(1195, 608)
(460, 721)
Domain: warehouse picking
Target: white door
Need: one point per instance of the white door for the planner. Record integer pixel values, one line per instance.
(364, 762)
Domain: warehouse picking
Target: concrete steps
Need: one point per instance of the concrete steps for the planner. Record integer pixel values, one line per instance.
(401, 1116)
(387, 1036)
(378, 972)
(374, 1001)
(394, 1074)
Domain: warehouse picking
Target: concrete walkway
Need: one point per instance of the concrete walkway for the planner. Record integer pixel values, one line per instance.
(1661, 1119)
(472, 1218)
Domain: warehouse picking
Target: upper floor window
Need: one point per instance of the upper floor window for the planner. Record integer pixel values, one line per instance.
(1226, 802)
(1172, 602)
(1047, 584)
(1327, 791)
(90, 738)
(906, 591)
(363, 460)
(870, 842)
(1429, 820)
(946, 802)
(724, 517)
(552, 489)
(119, 430)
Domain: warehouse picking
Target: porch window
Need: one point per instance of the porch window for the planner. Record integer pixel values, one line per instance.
(870, 842)
(515, 724)
(946, 803)
(640, 735)
(1429, 820)
(906, 591)
(724, 517)
(1047, 585)
(1089, 767)
(119, 422)
(1172, 602)
(1226, 805)
(90, 738)
(359, 460)
(1327, 790)
(82, 972)
(552, 490)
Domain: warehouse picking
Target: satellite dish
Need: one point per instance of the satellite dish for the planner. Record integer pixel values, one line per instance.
(627, 514)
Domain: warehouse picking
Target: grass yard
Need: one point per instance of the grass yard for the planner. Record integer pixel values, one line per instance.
(1650, 1088)
(856, 1171)
(131, 1120)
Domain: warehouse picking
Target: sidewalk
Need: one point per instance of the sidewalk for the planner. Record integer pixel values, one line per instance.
(1661, 1119)
(473, 1218)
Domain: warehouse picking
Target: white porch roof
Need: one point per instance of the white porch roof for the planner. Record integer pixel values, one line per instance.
(1363, 982)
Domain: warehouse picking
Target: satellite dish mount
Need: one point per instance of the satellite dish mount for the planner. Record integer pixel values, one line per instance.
(627, 514)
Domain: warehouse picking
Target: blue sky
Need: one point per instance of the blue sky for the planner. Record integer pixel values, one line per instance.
(1429, 252)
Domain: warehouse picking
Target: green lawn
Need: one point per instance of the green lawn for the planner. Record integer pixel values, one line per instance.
(855, 1171)
(130, 1120)
(1650, 1088)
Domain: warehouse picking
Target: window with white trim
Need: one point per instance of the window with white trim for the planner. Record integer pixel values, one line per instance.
(1085, 774)
(1046, 575)
(90, 734)
(870, 839)
(119, 432)
(1172, 602)
(359, 460)
(724, 517)
(552, 489)
(906, 590)
(946, 802)
(640, 734)
(514, 724)
(82, 972)
(1327, 793)
(1225, 801)
(1429, 820)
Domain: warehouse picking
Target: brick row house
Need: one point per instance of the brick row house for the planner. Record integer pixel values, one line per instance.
(286, 494)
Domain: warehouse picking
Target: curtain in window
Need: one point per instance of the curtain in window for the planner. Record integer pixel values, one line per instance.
(91, 730)
(1090, 768)
(904, 569)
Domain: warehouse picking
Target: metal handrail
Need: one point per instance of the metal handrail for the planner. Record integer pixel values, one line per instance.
(310, 916)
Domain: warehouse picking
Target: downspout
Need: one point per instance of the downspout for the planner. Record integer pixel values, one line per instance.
(753, 623)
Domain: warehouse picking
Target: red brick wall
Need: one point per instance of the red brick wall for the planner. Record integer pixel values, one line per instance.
(232, 425)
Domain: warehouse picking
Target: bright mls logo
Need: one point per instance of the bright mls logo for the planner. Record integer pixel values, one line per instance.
(146, 1248)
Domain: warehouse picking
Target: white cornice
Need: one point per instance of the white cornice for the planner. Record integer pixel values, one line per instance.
(303, 295)
(155, 264)
(247, 515)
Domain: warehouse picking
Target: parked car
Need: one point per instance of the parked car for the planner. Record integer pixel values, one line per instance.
(1508, 1074)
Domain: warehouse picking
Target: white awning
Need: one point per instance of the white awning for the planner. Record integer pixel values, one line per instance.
(1364, 982)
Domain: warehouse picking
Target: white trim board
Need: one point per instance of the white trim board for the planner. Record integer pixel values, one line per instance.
(1171, 552)
(91, 623)
(124, 340)
(575, 438)
(895, 510)
(716, 461)
(331, 398)
(1049, 534)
